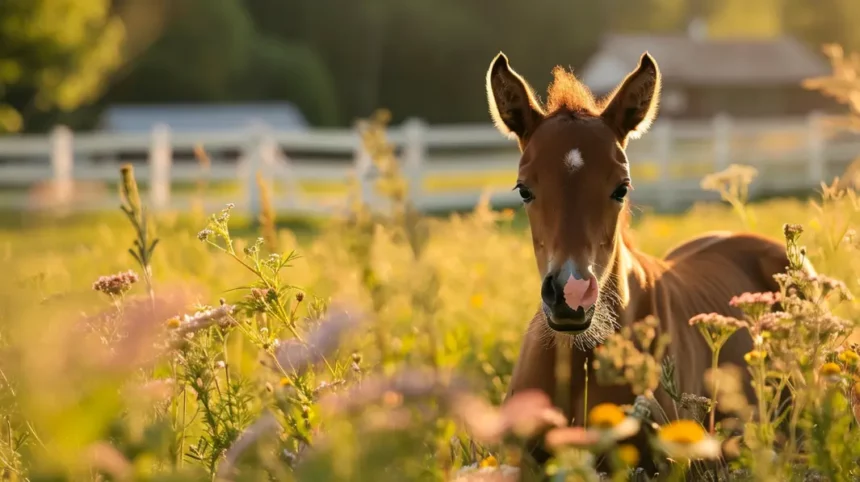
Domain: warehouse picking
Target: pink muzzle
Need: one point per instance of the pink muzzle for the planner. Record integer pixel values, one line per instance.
(580, 292)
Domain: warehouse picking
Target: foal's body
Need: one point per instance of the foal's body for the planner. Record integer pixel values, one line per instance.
(699, 276)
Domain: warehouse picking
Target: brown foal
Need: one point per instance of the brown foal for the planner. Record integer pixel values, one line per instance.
(574, 179)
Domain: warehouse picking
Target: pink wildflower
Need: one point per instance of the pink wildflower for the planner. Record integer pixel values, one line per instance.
(716, 328)
(754, 305)
(767, 299)
(773, 321)
(716, 319)
(830, 285)
(116, 284)
(571, 437)
(792, 231)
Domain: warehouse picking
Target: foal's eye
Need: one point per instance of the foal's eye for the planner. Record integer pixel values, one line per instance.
(525, 193)
(620, 192)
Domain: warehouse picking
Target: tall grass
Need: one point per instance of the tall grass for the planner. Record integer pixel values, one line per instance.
(381, 349)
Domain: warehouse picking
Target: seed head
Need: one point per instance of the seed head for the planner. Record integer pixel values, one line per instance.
(129, 189)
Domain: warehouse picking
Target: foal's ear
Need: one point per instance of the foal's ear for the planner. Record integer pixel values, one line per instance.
(633, 106)
(513, 106)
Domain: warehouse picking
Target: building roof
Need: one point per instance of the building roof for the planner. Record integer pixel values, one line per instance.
(202, 117)
(713, 62)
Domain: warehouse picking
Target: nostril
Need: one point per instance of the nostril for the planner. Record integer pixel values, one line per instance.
(548, 291)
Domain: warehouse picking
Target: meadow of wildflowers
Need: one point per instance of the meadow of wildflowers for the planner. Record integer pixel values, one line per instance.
(184, 347)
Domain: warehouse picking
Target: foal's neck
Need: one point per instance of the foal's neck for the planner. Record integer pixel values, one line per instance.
(635, 274)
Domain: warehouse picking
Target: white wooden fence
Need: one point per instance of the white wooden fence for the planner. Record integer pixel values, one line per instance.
(447, 167)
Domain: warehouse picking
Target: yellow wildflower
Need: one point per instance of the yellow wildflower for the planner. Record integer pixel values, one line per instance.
(686, 439)
(628, 454)
(285, 382)
(173, 322)
(489, 462)
(755, 357)
(849, 357)
(612, 422)
(605, 415)
(830, 371)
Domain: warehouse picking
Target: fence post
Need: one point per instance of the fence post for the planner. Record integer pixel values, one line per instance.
(414, 151)
(816, 143)
(722, 141)
(364, 170)
(160, 159)
(284, 165)
(62, 163)
(270, 153)
(666, 196)
(255, 161)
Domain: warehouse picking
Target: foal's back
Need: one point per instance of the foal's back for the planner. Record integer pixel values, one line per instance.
(703, 275)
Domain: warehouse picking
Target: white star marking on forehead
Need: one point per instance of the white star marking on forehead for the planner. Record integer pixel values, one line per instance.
(573, 160)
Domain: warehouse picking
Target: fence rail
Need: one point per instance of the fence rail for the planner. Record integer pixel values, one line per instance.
(447, 167)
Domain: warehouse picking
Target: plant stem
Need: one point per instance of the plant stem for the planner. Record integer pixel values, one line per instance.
(715, 358)
(679, 471)
(562, 377)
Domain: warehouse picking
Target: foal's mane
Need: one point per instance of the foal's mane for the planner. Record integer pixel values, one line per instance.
(624, 229)
(567, 93)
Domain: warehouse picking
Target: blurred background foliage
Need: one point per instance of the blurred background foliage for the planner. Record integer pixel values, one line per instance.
(337, 60)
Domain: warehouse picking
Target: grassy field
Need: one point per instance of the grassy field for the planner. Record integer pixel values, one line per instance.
(207, 364)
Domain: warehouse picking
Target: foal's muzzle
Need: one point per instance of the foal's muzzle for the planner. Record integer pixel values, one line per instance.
(568, 298)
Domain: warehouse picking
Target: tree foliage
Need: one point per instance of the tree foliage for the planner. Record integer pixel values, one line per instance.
(278, 70)
(204, 45)
(54, 54)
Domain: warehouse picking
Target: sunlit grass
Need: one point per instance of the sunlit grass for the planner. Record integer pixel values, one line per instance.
(378, 346)
(484, 297)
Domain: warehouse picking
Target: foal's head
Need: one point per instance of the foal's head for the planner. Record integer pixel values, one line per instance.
(574, 178)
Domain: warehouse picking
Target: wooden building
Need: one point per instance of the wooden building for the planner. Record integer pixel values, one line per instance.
(702, 77)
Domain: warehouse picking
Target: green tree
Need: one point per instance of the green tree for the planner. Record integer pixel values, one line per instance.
(54, 55)
(429, 59)
(213, 51)
(204, 46)
(279, 70)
